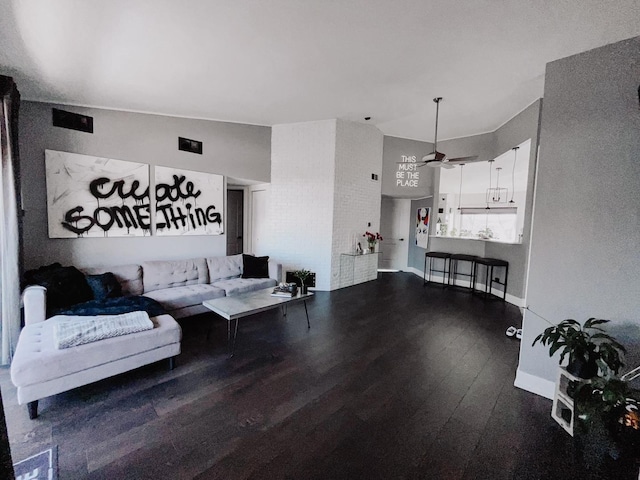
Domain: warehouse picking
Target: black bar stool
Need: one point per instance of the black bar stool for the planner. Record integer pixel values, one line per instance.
(490, 264)
(445, 267)
(453, 268)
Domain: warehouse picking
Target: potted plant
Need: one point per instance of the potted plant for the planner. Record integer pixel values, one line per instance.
(372, 239)
(608, 418)
(302, 275)
(590, 349)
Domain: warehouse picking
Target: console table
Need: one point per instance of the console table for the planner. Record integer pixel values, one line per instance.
(358, 268)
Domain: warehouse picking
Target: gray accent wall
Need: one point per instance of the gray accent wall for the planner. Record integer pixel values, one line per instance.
(393, 150)
(236, 150)
(585, 242)
(487, 146)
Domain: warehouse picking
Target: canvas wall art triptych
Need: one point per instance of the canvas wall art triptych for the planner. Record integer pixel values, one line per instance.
(102, 197)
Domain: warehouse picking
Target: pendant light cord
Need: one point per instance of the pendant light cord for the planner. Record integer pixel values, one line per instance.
(513, 173)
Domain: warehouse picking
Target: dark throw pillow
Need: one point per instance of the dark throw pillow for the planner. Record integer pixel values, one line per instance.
(65, 286)
(255, 267)
(104, 286)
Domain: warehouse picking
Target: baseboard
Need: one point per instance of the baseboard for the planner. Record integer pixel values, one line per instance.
(512, 299)
(533, 384)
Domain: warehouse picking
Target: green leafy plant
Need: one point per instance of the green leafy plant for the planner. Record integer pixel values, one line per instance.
(302, 275)
(609, 404)
(590, 349)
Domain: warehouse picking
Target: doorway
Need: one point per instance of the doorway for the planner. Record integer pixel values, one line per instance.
(395, 221)
(235, 219)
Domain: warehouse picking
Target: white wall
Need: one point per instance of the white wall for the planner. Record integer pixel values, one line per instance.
(357, 197)
(321, 194)
(586, 225)
(241, 151)
(300, 213)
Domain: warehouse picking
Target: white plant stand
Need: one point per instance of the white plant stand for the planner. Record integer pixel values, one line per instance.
(563, 410)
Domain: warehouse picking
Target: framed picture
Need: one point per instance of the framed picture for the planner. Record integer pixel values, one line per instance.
(422, 226)
(188, 203)
(96, 197)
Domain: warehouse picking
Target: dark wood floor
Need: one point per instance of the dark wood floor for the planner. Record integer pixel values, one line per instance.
(394, 380)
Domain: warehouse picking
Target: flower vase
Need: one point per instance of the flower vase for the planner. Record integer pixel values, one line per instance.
(304, 289)
(372, 248)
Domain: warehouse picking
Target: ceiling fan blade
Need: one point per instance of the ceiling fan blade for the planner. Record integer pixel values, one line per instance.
(470, 158)
(434, 156)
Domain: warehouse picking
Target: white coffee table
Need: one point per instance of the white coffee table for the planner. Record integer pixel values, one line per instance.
(243, 305)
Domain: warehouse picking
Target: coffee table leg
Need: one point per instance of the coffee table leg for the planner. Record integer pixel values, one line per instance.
(307, 313)
(235, 334)
(284, 310)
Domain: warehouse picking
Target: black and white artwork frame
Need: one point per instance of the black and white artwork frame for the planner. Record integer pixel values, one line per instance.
(188, 202)
(90, 196)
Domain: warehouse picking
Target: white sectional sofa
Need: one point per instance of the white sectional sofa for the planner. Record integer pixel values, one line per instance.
(182, 285)
(39, 369)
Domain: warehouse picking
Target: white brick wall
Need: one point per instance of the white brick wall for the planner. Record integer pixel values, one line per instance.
(322, 195)
(357, 198)
(299, 218)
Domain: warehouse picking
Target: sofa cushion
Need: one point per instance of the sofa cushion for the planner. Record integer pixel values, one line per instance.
(185, 296)
(255, 267)
(129, 277)
(37, 360)
(236, 286)
(221, 268)
(104, 286)
(162, 274)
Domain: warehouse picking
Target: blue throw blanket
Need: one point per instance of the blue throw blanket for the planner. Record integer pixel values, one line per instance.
(113, 306)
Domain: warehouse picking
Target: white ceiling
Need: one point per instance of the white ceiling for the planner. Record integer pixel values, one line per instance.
(267, 62)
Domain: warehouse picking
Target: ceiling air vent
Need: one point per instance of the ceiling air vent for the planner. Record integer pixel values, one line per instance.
(72, 121)
(187, 145)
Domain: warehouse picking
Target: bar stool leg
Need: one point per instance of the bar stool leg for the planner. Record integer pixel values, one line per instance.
(506, 276)
(424, 275)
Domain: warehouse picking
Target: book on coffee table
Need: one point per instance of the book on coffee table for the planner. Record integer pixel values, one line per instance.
(284, 291)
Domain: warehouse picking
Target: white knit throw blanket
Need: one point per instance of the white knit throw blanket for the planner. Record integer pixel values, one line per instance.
(75, 330)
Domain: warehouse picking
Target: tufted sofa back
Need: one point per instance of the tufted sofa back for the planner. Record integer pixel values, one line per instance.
(162, 274)
(221, 268)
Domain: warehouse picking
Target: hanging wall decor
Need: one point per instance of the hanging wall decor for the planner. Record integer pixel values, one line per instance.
(188, 203)
(422, 226)
(96, 197)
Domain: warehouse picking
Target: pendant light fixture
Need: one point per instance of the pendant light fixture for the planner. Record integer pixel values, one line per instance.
(489, 189)
(513, 173)
(460, 191)
(497, 194)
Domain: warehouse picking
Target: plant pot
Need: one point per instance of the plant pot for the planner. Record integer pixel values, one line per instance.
(581, 368)
(304, 289)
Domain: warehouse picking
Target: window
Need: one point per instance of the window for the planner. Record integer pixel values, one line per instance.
(485, 200)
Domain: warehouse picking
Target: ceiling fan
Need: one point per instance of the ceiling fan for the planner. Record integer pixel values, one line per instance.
(439, 159)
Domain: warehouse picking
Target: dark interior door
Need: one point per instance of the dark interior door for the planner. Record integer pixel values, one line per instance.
(235, 206)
